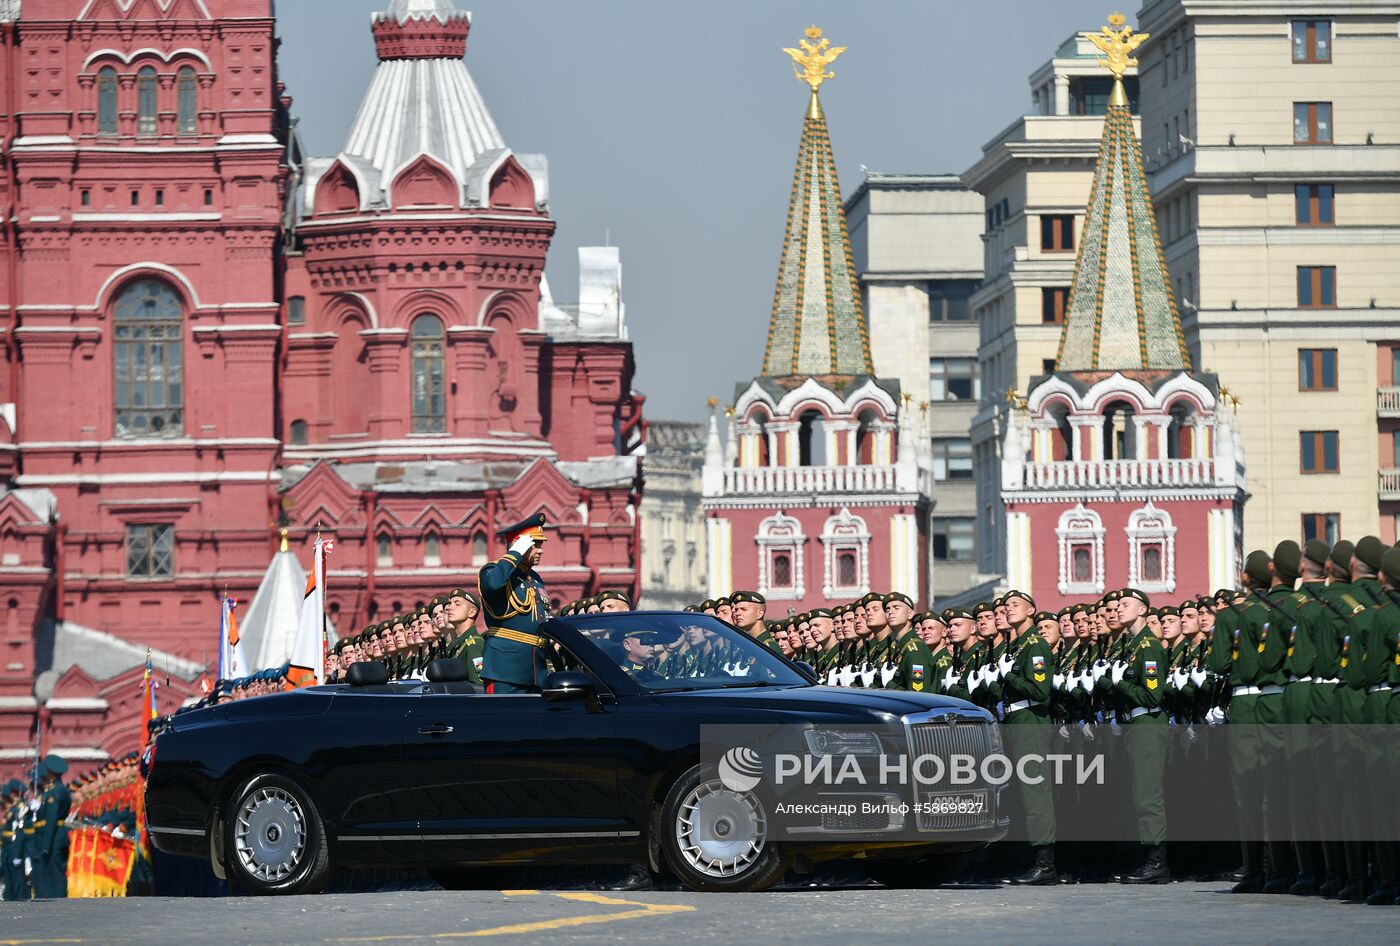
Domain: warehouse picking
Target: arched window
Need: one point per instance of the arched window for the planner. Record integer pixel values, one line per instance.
(479, 549)
(865, 438)
(148, 322)
(811, 439)
(846, 549)
(146, 104)
(1151, 550)
(297, 434)
(432, 551)
(1119, 432)
(1062, 443)
(780, 565)
(1080, 534)
(107, 101)
(429, 405)
(1181, 432)
(188, 89)
(384, 555)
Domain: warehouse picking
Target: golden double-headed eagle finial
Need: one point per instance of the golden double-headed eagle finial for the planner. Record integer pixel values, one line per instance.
(813, 58)
(1117, 42)
(713, 402)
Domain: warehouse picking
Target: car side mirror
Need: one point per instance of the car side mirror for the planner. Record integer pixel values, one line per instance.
(566, 685)
(807, 670)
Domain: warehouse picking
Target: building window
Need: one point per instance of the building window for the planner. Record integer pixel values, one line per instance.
(1151, 550)
(953, 379)
(86, 198)
(187, 90)
(146, 105)
(208, 197)
(1080, 534)
(1395, 366)
(1312, 41)
(1057, 233)
(432, 551)
(296, 310)
(107, 102)
(160, 197)
(148, 371)
(429, 403)
(297, 433)
(1054, 301)
(1313, 205)
(1047, 366)
(1317, 369)
(383, 552)
(1312, 123)
(780, 571)
(1395, 450)
(846, 569)
(952, 458)
(1317, 287)
(1326, 526)
(953, 540)
(479, 549)
(1318, 451)
(948, 300)
(150, 551)
(846, 548)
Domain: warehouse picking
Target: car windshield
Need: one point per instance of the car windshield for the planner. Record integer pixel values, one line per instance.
(667, 653)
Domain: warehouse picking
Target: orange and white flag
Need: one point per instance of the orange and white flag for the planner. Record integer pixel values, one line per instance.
(308, 662)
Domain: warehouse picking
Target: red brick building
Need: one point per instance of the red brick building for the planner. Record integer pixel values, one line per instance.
(208, 336)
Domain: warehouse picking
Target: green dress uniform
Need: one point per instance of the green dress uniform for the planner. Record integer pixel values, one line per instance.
(12, 846)
(942, 663)
(467, 648)
(914, 664)
(1026, 689)
(515, 603)
(1140, 694)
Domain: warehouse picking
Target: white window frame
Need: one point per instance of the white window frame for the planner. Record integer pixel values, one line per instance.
(1080, 526)
(780, 533)
(1150, 526)
(845, 532)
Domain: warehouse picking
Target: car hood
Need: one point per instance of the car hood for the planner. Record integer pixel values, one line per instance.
(819, 703)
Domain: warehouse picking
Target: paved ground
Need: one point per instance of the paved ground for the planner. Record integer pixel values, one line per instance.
(1096, 913)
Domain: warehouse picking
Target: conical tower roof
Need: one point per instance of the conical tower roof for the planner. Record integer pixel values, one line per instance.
(818, 326)
(1122, 315)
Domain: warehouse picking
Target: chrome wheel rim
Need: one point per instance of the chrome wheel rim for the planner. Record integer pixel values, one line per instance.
(270, 834)
(720, 832)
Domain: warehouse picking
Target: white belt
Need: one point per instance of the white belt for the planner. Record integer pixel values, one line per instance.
(1379, 688)
(1244, 691)
(1144, 711)
(1332, 680)
(1020, 705)
(1271, 690)
(1301, 680)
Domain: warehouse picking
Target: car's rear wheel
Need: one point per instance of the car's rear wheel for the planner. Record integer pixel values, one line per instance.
(714, 838)
(275, 842)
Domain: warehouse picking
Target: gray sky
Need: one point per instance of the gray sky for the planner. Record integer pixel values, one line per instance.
(673, 127)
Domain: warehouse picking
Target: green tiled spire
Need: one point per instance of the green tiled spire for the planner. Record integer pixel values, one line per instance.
(1122, 315)
(818, 326)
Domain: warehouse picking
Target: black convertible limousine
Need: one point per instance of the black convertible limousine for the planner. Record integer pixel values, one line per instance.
(603, 767)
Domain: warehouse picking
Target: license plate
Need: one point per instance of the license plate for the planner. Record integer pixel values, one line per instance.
(964, 803)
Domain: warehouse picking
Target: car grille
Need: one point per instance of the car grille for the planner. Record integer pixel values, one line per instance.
(945, 737)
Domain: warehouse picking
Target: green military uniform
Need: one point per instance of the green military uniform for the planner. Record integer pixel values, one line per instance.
(1026, 688)
(468, 648)
(914, 664)
(516, 604)
(1139, 693)
(12, 842)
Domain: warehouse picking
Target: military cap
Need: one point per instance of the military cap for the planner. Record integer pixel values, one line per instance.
(871, 597)
(894, 596)
(1188, 603)
(1135, 594)
(613, 594)
(422, 611)
(1070, 611)
(1022, 595)
(55, 764)
(1342, 553)
(1224, 594)
(753, 597)
(982, 608)
(690, 609)
(533, 527)
(1288, 560)
(953, 613)
(724, 600)
(1390, 565)
(1204, 603)
(1256, 566)
(820, 613)
(1316, 551)
(1112, 596)
(1041, 616)
(998, 601)
(707, 605)
(1370, 550)
(440, 600)
(643, 634)
(1169, 610)
(456, 593)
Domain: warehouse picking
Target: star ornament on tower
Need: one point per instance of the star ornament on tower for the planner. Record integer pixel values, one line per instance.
(813, 58)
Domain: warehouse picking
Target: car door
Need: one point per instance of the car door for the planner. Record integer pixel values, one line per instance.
(512, 775)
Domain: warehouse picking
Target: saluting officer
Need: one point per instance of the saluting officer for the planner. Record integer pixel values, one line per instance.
(514, 599)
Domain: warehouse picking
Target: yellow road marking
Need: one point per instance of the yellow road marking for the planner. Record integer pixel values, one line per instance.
(28, 942)
(642, 910)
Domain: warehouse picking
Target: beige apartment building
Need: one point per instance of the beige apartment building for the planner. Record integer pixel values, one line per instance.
(674, 556)
(1034, 179)
(914, 238)
(1271, 132)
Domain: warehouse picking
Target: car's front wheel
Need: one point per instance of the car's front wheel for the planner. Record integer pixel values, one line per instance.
(717, 839)
(274, 838)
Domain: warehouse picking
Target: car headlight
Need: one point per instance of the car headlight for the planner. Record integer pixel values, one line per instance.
(843, 742)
